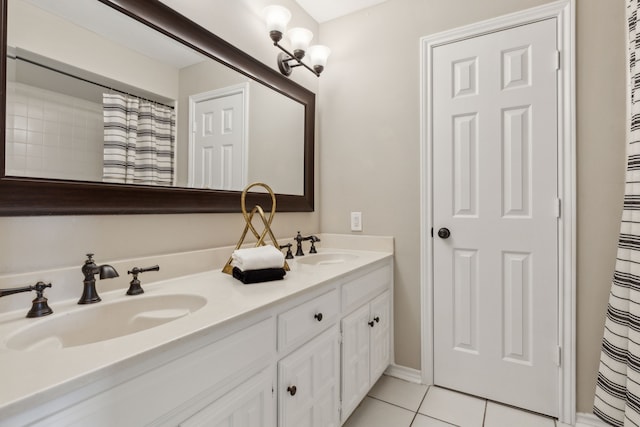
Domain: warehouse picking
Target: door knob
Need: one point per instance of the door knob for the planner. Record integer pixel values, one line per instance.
(444, 233)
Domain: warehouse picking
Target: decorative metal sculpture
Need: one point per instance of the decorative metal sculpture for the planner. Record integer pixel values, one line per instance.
(248, 218)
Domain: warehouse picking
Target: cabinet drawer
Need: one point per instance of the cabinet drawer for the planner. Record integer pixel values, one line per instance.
(308, 319)
(364, 288)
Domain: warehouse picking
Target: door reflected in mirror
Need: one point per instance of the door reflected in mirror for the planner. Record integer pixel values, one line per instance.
(93, 95)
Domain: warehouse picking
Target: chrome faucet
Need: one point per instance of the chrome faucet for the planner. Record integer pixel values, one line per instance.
(39, 305)
(90, 269)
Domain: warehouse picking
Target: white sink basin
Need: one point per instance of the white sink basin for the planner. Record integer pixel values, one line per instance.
(326, 258)
(104, 321)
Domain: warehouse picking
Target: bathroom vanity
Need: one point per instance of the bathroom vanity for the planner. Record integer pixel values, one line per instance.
(204, 349)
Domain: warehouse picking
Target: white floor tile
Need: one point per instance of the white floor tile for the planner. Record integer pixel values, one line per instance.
(375, 413)
(424, 421)
(399, 392)
(505, 416)
(455, 408)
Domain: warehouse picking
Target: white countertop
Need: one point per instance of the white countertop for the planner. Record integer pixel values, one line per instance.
(32, 377)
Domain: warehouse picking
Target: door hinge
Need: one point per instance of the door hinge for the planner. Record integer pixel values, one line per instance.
(558, 59)
(558, 208)
(559, 361)
(194, 129)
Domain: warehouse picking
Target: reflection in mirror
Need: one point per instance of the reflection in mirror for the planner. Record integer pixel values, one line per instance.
(86, 103)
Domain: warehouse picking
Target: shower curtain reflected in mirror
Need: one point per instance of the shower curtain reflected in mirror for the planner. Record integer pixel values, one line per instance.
(139, 141)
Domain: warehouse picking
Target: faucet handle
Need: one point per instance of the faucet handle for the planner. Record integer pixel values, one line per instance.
(137, 270)
(313, 240)
(39, 306)
(289, 254)
(40, 287)
(134, 285)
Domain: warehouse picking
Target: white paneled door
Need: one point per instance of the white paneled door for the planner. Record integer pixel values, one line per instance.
(218, 151)
(495, 213)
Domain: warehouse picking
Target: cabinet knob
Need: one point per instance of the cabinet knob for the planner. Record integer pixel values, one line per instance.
(318, 317)
(377, 319)
(292, 390)
(371, 323)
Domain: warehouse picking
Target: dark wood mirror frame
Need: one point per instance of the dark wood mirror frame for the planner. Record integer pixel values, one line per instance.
(33, 196)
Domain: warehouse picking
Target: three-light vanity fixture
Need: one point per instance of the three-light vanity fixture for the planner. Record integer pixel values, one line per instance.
(277, 18)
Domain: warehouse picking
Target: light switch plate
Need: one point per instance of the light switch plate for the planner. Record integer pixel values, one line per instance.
(356, 221)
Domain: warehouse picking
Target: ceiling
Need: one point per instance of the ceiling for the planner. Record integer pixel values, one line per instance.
(326, 10)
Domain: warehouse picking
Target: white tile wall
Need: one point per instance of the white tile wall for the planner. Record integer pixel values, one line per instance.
(52, 135)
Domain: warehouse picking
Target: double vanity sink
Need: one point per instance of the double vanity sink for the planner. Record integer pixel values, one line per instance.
(81, 325)
(47, 359)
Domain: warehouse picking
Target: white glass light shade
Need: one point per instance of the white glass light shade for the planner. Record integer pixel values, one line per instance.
(299, 38)
(277, 18)
(318, 55)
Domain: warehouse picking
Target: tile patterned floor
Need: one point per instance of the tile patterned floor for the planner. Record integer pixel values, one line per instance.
(397, 403)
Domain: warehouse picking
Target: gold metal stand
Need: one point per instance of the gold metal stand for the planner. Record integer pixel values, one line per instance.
(248, 218)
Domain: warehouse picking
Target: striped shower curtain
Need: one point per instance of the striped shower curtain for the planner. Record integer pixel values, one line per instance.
(617, 398)
(139, 140)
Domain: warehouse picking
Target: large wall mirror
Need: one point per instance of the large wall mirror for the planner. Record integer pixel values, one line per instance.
(123, 106)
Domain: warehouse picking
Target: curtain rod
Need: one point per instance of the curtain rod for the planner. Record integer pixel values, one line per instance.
(87, 80)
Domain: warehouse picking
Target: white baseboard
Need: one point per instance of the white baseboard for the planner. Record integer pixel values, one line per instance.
(404, 373)
(589, 420)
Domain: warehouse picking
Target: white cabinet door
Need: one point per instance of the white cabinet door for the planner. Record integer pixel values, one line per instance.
(365, 350)
(308, 383)
(380, 336)
(355, 359)
(249, 405)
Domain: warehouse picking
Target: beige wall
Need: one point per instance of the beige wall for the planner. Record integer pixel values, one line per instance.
(369, 99)
(601, 122)
(369, 155)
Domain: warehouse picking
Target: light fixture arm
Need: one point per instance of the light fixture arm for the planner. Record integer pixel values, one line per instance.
(284, 61)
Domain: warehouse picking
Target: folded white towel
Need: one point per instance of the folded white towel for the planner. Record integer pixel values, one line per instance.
(257, 258)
